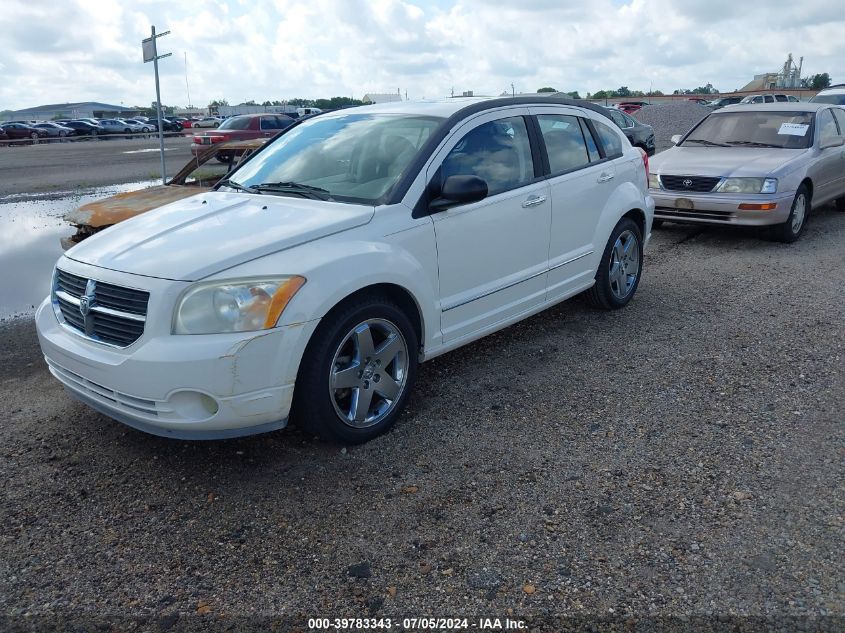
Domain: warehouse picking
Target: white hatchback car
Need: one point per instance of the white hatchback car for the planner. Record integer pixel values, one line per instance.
(358, 243)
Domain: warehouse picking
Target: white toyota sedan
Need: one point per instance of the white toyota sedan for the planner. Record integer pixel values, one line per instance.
(311, 283)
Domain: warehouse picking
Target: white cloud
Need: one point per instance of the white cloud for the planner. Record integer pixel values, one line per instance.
(278, 49)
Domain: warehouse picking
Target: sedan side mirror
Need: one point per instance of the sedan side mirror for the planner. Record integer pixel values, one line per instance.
(676, 138)
(459, 190)
(834, 141)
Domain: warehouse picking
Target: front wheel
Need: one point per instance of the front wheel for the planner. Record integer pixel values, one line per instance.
(34, 137)
(792, 229)
(619, 270)
(357, 372)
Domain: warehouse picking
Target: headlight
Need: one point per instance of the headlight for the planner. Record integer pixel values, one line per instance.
(653, 181)
(748, 185)
(239, 305)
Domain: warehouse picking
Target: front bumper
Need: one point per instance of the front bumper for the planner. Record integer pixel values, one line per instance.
(186, 387)
(720, 208)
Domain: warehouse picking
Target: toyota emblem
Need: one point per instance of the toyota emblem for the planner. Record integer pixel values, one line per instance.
(687, 183)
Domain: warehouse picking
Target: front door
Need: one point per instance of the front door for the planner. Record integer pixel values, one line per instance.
(492, 254)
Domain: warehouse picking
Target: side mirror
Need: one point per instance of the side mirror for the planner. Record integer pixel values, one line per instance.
(676, 138)
(836, 141)
(459, 190)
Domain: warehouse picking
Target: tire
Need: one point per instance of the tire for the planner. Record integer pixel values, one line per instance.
(656, 224)
(840, 204)
(792, 229)
(93, 132)
(338, 413)
(616, 286)
(34, 137)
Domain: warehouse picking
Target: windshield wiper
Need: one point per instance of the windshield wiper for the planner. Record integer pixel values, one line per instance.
(236, 185)
(704, 142)
(754, 144)
(307, 191)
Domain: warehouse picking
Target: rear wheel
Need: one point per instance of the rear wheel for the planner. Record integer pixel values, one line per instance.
(792, 229)
(357, 372)
(34, 137)
(619, 271)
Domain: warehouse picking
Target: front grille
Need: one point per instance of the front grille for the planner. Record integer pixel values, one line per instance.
(100, 311)
(693, 184)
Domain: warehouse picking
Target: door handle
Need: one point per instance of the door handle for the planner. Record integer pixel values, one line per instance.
(605, 177)
(533, 201)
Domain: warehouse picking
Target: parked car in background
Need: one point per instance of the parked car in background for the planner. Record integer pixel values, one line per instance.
(3, 135)
(316, 276)
(170, 125)
(699, 100)
(721, 102)
(184, 122)
(19, 131)
(242, 127)
(144, 126)
(54, 130)
(629, 108)
(197, 176)
(834, 95)
(754, 165)
(115, 126)
(769, 98)
(84, 128)
(209, 121)
(639, 134)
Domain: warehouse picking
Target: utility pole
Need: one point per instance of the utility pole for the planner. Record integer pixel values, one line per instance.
(513, 91)
(150, 50)
(187, 87)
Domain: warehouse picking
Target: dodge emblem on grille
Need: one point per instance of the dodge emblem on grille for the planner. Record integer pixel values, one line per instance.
(687, 183)
(84, 305)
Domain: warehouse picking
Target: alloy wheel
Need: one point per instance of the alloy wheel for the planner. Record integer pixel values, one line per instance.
(368, 373)
(624, 265)
(799, 212)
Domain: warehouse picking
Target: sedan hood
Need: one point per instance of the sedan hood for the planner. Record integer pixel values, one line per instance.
(207, 233)
(723, 161)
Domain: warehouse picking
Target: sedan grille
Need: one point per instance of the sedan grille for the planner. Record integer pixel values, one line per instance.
(693, 184)
(102, 312)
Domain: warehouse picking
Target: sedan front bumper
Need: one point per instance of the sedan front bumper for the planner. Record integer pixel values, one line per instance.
(720, 208)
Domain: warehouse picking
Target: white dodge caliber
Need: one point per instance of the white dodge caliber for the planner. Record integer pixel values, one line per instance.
(311, 282)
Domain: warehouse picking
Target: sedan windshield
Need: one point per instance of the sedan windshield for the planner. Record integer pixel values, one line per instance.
(352, 157)
(783, 130)
(834, 99)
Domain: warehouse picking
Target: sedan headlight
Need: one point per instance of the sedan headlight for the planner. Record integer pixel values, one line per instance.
(239, 305)
(653, 181)
(748, 185)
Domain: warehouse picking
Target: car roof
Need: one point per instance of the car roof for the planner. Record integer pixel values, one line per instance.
(781, 106)
(449, 107)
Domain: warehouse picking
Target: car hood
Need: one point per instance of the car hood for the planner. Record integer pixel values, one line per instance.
(207, 233)
(722, 162)
(120, 207)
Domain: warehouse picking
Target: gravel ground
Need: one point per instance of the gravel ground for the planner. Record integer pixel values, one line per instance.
(682, 457)
(669, 119)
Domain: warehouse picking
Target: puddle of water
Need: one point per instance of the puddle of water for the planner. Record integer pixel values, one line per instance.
(30, 230)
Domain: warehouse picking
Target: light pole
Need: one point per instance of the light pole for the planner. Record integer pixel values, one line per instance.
(148, 46)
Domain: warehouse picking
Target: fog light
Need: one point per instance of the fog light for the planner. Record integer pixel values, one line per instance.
(193, 405)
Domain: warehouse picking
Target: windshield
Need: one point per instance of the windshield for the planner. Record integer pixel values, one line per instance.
(834, 99)
(784, 130)
(353, 157)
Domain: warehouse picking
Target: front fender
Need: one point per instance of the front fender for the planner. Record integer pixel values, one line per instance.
(340, 265)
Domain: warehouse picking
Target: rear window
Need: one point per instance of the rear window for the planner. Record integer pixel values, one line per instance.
(236, 123)
(833, 99)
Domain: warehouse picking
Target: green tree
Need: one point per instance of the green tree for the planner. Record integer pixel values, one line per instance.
(546, 89)
(601, 94)
(574, 94)
(819, 81)
(623, 91)
(336, 102)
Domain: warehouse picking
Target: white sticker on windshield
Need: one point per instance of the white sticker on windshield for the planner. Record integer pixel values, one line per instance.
(793, 129)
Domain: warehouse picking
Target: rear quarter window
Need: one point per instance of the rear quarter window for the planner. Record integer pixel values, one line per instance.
(610, 140)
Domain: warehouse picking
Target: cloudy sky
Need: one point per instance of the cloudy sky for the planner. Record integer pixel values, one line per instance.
(80, 50)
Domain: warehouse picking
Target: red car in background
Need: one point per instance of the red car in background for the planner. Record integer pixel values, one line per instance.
(241, 128)
(22, 131)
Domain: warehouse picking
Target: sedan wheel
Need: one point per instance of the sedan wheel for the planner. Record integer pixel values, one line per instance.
(792, 229)
(363, 358)
(34, 137)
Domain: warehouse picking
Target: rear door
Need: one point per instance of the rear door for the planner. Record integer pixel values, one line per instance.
(492, 254)
(582, 179)
(830, 169)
